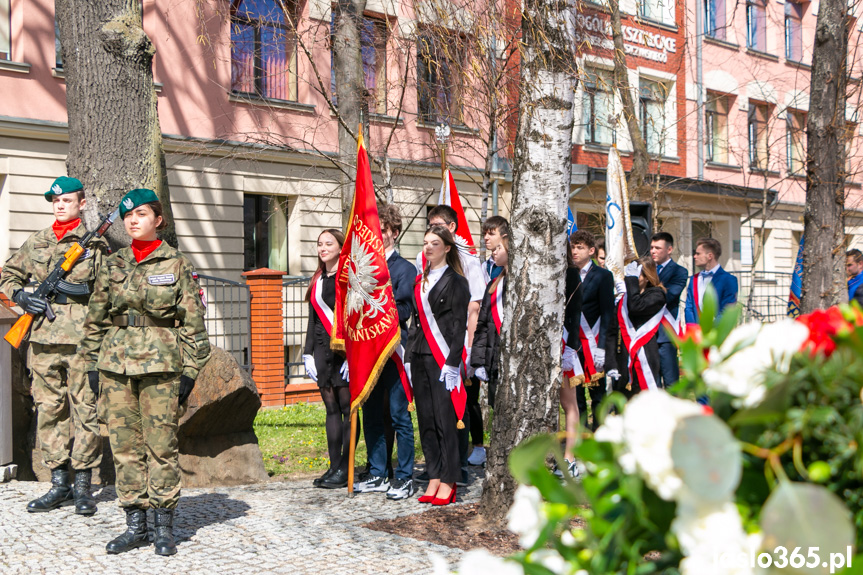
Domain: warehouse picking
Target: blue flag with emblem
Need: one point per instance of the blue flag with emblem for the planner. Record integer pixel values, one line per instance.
(570, 222)
(796, 284)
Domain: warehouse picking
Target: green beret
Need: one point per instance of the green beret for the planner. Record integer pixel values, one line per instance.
(63, 185)
(136, 198)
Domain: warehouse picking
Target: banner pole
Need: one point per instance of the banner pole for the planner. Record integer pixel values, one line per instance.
(352, 452)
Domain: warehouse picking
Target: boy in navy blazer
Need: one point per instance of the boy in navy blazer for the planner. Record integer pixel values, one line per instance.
(673, 276)
(707, 252)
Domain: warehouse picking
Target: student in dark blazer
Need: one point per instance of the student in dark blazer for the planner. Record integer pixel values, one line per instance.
(323, 365)
(447, 293)
(673, 277)
(707, 252)
(572, 346)
(385, 413)
(597, 297)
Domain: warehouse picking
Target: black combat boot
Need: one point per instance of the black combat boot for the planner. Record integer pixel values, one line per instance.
(59, 495)
(84, 502)
(135, 535)
(164, 532)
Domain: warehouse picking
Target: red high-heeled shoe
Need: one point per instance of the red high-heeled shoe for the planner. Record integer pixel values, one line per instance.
(427, 498)
(448, 500)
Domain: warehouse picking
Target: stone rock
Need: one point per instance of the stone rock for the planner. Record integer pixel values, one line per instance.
(218, 445)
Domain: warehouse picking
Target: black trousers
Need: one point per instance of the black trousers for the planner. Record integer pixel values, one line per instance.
(437, 420)
(475, 411)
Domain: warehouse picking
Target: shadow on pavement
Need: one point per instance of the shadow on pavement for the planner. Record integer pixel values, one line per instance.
(197, 511)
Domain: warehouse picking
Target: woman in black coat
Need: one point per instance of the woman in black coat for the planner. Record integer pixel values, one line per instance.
(572, 345)
(485, 353)
(325, 366)
(441, 295)
(645, 298)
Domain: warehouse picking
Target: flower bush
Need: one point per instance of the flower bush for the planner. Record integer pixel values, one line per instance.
(767, 478)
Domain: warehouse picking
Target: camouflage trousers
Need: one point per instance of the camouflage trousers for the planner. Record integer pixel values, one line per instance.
(142, 412)
(65, 407)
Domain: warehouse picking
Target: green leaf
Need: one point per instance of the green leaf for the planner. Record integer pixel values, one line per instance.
(727, 322)
(708, 310)
(707, 457)
(531, 454)
(806, 516)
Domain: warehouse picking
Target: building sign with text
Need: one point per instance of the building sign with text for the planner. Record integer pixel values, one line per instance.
(595, 30)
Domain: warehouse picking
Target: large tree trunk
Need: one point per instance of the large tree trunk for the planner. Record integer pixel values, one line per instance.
(350, 88)
(823, 221)
(527, 397)
(640, 158)
(115, 142)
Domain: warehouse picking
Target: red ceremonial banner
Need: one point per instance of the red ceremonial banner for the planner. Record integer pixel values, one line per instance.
(366, 319)
(449, 197)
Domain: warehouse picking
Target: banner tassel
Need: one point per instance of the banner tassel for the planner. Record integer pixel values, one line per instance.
(460, 424)
(411, 407)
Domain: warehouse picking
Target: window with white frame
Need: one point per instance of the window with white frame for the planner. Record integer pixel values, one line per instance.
(795, 136)
(793, 32)
(653, 96)
(599, 117)
(5, 30)
(758, 130)
(716, 122)
(657, 10)
(714, 19)
(756, 25)
(264, 49)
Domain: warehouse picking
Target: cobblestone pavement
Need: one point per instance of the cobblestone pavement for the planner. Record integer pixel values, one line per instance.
(276, 527)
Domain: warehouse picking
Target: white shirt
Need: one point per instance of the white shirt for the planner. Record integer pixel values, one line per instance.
(703, 281)
(434, 277)
(388, 253)
(585, 269)
(472, 271)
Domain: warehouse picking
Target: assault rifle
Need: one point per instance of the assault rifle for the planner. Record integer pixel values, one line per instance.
(54, 283)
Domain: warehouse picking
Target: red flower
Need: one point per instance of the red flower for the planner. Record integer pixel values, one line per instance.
(824, 326)
(692, 331)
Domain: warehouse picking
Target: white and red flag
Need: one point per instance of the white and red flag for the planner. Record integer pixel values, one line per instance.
(449, 197)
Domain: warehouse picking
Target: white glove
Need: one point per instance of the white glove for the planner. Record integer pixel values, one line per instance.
(344, 372)
(311, 370)
(619, 290)
(599, 359)
(449, 375)
(613, 374)
(481, 374)
(469, 370)
(567, 362)
(632, 269)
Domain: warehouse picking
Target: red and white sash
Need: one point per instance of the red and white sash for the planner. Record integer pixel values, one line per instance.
(398, 358)
(635, 339)
(325, 313)
(695, 289)
(497, 305)
(589, 337)
(437, 344)
(672, 323)
(577, 372)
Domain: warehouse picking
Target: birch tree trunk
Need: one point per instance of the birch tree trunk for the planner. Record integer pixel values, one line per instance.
(640, 158)
(350, 87)
(115, 142)
(527, 396)
(824, 282)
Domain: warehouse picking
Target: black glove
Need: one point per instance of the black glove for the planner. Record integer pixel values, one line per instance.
(187, 384)
(30, 303)
(93, 377)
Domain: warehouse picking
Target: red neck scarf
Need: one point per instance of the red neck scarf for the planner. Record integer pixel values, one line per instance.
(63, 228)
(143, 248)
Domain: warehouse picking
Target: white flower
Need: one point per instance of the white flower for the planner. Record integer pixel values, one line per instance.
(526, 518)
(550, 559)
(759, 350)
(649, 421)
(711, 537)
(611, 430)
(439, 564)
(481, 562)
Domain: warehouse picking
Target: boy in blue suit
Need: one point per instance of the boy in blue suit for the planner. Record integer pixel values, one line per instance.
(673, 276)
(707, 252)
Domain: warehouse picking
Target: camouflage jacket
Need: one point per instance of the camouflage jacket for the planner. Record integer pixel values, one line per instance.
(163, 286)
(35, 260)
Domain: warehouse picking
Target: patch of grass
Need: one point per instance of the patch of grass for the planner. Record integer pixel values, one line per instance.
(293, 440)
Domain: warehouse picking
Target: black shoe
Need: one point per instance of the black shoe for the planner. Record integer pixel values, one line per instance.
(84, 502)
(59, 495)
(135, 535)
(164, 532)
(317, 482)
(465, 479)
(337, 480)
(423, 477)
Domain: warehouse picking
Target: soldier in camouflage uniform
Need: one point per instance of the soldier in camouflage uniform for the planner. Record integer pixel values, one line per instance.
(145, 334)
(65, 406)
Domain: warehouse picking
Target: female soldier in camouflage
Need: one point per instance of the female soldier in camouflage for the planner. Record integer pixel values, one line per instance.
(145, 334)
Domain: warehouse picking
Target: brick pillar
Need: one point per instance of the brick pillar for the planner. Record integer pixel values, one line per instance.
(268, 335)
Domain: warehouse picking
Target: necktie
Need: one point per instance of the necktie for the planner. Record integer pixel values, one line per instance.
(659, 268)
(706, 275)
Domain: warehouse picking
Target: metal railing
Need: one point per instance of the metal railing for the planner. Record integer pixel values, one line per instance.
(228, 317)
(764, 295)
(296, 318)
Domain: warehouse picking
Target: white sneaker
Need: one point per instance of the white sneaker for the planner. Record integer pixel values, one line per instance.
(372, 485)
(576, 468)
(477, 456)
